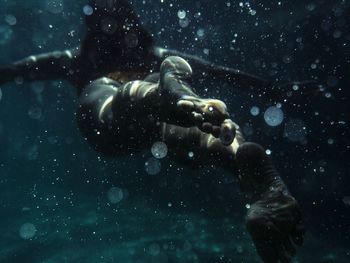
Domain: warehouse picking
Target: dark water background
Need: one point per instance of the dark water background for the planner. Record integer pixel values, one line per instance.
(50, 178)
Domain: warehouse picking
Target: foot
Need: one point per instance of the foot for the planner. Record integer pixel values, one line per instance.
(275, 225)
(184, 108)
(209, 115)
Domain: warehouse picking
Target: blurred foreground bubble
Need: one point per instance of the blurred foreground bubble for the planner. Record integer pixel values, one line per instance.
(255, 111)
(54, 6)
(35, 113)
(295, 130)
(131, 40)
(27, 231)
(109, 25)
(346, 200)
(181, 14)
(154, 249)
(115, 195)
(88, 10)
(5, 34)
(200, 33)
(184, 22)
(152, 166)
(0, 94)
(11, 20)
(273, 116)
(159, 150)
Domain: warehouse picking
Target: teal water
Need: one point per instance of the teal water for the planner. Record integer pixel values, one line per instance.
(56, 204)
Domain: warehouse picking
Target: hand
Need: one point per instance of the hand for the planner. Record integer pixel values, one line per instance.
(275, 225)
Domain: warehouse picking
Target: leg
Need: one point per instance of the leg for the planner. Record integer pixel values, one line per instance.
(273, 220)
(109, 122)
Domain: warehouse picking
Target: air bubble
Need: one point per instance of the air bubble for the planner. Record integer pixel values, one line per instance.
(35, 113)
(115, 195)
(295, 87)
(181, 14)
(295, 130)
(201, 33)
(159, 150)
(273, 116)
(255, 111)
(152, 166)
(5, 34)
(27, 231)
(184, 22)
(88, 10)
(154, 249)
(11, 20)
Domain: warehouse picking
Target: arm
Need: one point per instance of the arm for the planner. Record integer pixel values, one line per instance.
(53, 65)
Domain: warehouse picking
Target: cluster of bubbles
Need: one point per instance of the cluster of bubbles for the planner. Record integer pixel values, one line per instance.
(200, 33)
(55, 6)
(159, 151)
(184, 21)
(273, 116)
(115, 195)
(27, 231)
(247, 5)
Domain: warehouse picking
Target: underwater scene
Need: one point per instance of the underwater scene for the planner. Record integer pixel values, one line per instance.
(174, 131)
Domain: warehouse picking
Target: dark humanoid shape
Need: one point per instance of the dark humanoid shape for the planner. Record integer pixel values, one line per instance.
(125, 105)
